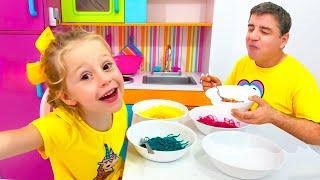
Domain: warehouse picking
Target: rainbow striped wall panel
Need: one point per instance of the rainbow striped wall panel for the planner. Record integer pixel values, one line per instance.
(186, 44)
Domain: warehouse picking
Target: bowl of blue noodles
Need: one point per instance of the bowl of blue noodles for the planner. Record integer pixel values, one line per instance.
(168, 140)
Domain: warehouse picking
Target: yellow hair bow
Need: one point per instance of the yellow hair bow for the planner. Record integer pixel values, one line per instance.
(34, 72)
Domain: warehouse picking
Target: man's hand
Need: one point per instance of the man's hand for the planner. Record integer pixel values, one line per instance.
(263, 114)
(209, 81)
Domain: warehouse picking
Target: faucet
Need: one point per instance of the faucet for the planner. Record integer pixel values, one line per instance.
(167, 59)
(166, 70)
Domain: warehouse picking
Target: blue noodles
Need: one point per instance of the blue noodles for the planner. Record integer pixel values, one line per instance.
(168, 143)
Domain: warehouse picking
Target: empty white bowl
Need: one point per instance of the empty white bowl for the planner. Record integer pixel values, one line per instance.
(157, 128)
(219, 113)
(141, 106)
(239, 93)
(243, 155)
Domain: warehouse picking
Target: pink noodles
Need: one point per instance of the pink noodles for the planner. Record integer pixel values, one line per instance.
(213, 121)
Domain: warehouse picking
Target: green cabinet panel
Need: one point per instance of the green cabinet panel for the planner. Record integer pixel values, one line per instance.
(92, 11)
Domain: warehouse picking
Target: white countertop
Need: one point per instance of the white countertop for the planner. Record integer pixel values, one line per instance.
(301, 161)
(137, 83)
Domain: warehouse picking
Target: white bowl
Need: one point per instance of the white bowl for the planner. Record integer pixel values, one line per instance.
(141, 106)
(217, 112)
(162, 129)
(243, 155)
(239, 93)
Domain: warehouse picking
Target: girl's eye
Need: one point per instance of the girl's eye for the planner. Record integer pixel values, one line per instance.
(107, 66)
(85, 76)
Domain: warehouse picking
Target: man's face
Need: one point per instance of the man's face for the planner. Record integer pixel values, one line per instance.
(264, 40)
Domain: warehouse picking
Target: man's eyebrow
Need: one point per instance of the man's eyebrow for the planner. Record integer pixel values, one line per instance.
(265, 28)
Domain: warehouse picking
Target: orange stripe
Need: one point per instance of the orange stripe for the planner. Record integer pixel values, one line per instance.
(132, 96)
(188, 48)
(169, 41)
(128, 51)
(98, 30)
(125, 29)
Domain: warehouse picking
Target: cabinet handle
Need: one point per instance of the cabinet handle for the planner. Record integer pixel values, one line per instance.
(116, 6)
(32, 10)
(39, 90)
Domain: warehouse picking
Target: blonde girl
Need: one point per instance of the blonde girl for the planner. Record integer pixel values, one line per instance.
(84, 134)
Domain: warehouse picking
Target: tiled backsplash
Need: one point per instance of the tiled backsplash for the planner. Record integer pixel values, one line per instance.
(186, 44)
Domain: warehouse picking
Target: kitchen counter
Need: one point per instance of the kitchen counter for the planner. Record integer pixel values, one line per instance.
(189, 95)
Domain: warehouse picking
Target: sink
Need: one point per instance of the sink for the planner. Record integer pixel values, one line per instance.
(168, 80)
(166, 73)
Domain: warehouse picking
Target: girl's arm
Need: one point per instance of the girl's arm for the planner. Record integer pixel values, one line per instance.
(18, 141)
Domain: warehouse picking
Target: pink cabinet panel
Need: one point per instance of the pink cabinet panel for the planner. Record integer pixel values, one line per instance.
(26, 15)
(19, 104)
(16, 92)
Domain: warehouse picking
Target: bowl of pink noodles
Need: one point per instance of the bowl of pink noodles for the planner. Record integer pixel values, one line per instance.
(209, 119)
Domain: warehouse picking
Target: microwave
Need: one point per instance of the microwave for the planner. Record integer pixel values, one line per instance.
(92, 10)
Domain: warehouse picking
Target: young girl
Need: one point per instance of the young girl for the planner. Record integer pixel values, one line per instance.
(84, 134)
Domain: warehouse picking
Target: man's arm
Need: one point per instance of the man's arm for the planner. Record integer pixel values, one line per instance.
(303, 129)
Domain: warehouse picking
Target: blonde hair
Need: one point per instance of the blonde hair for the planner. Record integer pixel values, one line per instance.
(53, 65)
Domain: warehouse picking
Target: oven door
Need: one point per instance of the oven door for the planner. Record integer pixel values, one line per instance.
(92, 10)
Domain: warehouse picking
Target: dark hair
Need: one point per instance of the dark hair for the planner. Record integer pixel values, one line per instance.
(275, 10)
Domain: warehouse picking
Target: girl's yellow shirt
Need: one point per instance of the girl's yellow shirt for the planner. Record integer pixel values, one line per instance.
(76, 151)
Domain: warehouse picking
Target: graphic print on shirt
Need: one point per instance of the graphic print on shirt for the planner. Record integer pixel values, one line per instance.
(108, 164)
(256, 85)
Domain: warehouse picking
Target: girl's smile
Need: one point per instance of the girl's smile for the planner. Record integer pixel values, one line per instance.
(110, 96)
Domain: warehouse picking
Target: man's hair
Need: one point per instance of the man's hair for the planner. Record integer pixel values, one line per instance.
(275, 10)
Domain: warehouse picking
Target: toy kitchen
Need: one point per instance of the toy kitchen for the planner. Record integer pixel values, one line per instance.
(160, 46)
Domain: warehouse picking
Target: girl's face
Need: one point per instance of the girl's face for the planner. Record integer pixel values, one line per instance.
(93, 80)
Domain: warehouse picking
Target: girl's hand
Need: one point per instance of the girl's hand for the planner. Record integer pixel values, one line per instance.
(209, 81)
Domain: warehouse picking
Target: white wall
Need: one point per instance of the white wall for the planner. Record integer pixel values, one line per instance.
(230, 25)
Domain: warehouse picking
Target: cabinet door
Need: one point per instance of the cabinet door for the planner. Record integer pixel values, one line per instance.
(19, 104)
(17, 15)
(92, 11)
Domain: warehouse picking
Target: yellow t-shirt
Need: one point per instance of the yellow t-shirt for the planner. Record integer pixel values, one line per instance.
(77, 151)
(288, 87)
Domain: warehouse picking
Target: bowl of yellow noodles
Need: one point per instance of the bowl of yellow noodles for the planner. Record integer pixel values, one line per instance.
(159, 109)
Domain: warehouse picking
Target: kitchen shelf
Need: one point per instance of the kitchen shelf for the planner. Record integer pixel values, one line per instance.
(142, 24)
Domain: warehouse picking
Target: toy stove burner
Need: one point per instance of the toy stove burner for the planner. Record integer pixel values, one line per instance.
(127, 79)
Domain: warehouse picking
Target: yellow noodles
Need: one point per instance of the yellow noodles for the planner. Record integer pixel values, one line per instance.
(162, 112)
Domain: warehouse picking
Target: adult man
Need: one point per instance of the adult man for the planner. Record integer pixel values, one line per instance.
(289, 94)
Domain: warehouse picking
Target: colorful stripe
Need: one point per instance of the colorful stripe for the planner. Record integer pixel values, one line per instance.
(176, 59)
(186, 43)
(201, 45)
(154, 47)
(165, 43)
